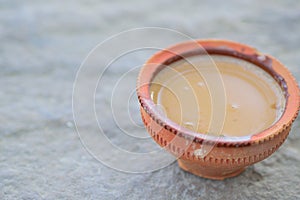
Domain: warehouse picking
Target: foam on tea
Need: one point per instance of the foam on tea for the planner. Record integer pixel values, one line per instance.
(254, 100)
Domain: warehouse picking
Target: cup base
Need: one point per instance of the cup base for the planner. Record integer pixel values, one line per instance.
(208, 172)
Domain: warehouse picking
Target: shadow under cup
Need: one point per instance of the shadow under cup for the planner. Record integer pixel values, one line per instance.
(205, 150)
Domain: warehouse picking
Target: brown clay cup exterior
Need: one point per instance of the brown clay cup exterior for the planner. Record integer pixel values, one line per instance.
(229, 155)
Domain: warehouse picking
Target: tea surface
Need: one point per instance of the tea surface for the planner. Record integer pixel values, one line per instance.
(188, 91)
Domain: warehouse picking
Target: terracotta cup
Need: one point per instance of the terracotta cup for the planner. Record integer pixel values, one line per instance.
(228, 156)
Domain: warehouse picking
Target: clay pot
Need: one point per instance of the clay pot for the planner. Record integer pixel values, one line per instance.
(229, 155)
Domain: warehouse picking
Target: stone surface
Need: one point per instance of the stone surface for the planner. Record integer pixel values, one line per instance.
(42, 46)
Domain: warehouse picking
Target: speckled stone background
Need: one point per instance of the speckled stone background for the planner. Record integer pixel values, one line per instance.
(42, 46)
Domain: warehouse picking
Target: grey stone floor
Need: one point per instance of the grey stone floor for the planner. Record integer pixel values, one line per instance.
(42, 46)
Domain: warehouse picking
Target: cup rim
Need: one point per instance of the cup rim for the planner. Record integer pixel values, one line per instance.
(228, 48)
